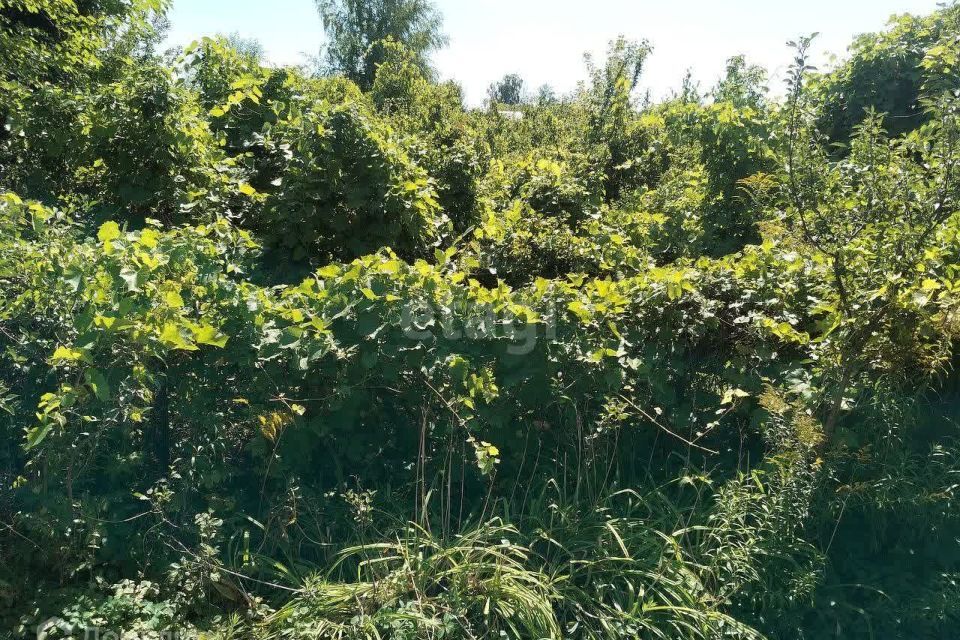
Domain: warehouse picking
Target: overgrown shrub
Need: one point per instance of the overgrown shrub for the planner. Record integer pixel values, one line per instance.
(285, 358)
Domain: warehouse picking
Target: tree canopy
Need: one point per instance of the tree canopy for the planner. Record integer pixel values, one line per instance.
(357, 29)
(508, 90)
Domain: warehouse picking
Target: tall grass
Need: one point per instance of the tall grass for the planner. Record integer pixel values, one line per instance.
(577, 571)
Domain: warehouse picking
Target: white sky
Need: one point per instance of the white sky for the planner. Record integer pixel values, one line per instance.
(544, 41)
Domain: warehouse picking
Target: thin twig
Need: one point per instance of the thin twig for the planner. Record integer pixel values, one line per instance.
(666, 430)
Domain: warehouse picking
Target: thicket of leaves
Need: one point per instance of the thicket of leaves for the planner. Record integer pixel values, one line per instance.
(287, 358)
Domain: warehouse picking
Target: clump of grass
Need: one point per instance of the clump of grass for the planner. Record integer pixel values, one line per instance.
(623, 569)
(577, 572)
(478, 585)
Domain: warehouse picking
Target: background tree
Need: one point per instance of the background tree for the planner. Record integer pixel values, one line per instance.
(356, 30)
(689, 92)
(546, 95)
(610, 103)
(744, 85)
(508, 90)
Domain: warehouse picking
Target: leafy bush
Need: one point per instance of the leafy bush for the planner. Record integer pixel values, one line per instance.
(553, 187)
(446, 143)
(884, 73)
(139, 148)
(345, 185)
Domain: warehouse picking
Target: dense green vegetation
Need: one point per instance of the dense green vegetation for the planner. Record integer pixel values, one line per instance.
(294, 354)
